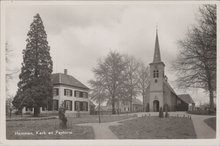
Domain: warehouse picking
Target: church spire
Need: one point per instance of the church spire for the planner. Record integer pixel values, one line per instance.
(157, 49)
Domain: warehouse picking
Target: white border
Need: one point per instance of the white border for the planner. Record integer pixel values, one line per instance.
(200, 142)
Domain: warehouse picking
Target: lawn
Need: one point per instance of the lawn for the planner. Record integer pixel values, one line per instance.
(211, 122)
(95, 118)
(49, 129)
(155, 128)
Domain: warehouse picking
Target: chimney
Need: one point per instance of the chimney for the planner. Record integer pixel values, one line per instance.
(65, 71)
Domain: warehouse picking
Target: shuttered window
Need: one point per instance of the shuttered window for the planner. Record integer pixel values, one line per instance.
(68, 105)
(68, 92)
(81, 106)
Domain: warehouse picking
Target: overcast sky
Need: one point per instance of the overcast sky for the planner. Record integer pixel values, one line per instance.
(80, 35)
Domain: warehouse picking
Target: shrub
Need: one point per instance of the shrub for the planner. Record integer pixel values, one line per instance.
(161, 112)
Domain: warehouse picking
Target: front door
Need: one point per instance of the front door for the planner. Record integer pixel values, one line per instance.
(156, 106)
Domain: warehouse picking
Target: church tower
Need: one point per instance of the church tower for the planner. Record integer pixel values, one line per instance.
(156, 79)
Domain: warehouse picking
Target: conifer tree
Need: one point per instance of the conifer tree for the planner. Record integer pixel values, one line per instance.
(35, 85)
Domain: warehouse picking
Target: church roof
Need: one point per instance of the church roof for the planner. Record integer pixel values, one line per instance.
(157, 57)
(186, 98)
(64, 79)
(168, 85)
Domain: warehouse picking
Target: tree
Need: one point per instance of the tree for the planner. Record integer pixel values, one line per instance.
(35, 85)
(98, 94)
(196, 63)
(131, 78)
(10, 72)
(110, 72)
(143, 80)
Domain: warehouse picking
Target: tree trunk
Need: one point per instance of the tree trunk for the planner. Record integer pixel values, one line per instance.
(211, 96)
(99, 110)
(211, 100)
(36, 111)
(113, 105)
(118, 109)
(131, 110)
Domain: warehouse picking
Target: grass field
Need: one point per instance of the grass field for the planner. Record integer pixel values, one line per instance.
(49, 129)
(155, 128)
(211, 122)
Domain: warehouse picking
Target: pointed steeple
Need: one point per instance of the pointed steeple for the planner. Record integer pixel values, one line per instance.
(157, 50)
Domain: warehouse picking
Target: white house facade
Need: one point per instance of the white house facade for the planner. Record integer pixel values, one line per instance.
(67, 92)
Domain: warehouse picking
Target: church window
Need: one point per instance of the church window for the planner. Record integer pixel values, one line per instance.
(156, 74)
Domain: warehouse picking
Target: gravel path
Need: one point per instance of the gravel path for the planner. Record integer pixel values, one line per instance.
(102, 130)
(202, 130)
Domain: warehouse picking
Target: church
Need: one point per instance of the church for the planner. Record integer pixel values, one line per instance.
(159, 93)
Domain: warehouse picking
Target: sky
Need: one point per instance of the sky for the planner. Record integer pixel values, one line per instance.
(79, 35)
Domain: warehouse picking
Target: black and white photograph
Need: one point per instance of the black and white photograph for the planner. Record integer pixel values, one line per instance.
(137, 71)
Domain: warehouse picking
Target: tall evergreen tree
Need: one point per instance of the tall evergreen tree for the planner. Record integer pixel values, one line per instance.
(35, 85)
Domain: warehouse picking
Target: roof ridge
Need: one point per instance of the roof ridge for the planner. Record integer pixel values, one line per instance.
(65, 79)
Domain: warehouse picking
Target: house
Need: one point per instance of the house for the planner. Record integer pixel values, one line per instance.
(67, 92)
(137, 105)
(124, 106)
(159, 92)
(185, 103)
(103, 109)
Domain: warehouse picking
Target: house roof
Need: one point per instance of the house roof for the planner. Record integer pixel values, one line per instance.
(136, 101)
(64, 79)
(186, 98)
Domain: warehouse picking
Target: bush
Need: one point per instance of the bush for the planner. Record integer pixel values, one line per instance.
(161, 112)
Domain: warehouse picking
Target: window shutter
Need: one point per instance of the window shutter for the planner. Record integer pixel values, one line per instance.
(65, 92)
(86, 106)
(81, 106)
(71, 92)
(74, 93)
(71, 105)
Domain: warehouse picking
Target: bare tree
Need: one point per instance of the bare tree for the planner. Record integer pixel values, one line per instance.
(143, 79)
(196, 63)
(131, 78)
(10, 72)
(98, 94)
(110, 72)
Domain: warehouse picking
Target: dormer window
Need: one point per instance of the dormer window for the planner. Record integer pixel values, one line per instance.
(156, 74)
